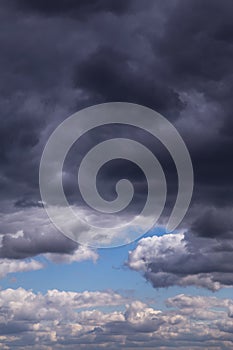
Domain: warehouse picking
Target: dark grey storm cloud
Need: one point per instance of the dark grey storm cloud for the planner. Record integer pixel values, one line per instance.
(60, 56)
(74, 8)
(35, 243)
(216, 223)
(196, 49)
(114, 76)
(189, 55)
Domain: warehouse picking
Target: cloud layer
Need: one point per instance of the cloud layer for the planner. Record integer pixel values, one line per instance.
(63, 320)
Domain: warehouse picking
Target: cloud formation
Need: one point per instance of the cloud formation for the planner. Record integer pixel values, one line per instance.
(28, 232)
(182, 259)
(72, 8)
(63, 320)
(11, 266)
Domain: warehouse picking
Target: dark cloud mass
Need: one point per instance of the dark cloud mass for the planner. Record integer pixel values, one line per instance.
(74, 7)
(167, 57)
(32, 244)
(214, 223)
(114, 76)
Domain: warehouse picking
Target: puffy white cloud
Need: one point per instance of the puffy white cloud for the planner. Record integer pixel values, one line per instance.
(64, 320)
(80, 254)
(183, 259)
(156, 247)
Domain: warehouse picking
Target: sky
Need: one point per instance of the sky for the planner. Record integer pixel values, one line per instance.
(164, 290)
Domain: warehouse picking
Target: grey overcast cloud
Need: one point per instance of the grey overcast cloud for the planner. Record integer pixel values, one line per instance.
(166, 290)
